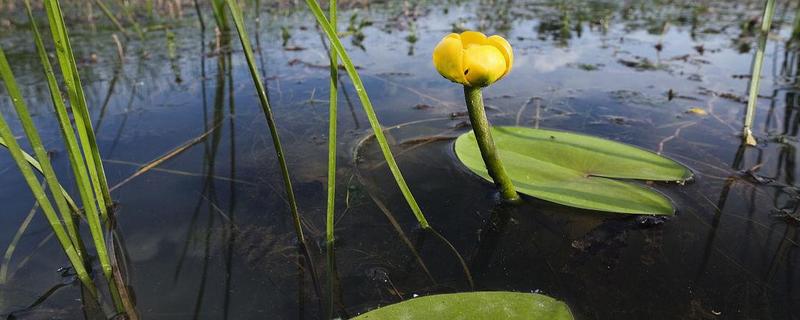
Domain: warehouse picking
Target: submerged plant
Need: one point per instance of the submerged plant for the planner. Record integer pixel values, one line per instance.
(476, 61)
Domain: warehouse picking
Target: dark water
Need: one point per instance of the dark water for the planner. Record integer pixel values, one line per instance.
(208, 233)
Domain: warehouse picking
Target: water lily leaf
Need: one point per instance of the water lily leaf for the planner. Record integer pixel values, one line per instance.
(577, 170)
(475, 305)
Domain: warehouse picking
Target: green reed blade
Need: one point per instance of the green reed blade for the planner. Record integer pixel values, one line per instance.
(218, 7)
(332, 133)
(77, 99)
(44, 202)
(67, 132)
(38, 148)
(334, 61)
(35, 164)
(367, 105)
(755, 72)
(111, 16)
(87, 139)
(238, 21)
(129, 15)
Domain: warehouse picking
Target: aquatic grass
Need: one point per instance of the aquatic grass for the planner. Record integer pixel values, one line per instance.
(69, 70)
(377, 129)
(38, 147)
(107, 12)
(755, 73)
(71, 251)
(199, 15)
(332, 133)
(35, 164)
(218, 8)
(238, 20)
(129, 15)
(87, 166)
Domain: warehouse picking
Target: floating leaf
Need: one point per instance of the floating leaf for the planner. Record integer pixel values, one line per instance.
(577, 170)
(475, 305)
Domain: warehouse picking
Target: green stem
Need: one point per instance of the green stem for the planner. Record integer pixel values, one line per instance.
(47, 208)
(332, 118)
(755, 72)
(334, 61)
(38, 148)
(336, 45)
(483, 134)
(88, 143)
(265, 106)
(111, 16)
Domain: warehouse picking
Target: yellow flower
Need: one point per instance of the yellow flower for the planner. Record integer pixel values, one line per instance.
(472, 59)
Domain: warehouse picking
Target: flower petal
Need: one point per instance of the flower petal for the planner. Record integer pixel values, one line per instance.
(483, 65)
(501, 44)
(448, 58)
(470, 38)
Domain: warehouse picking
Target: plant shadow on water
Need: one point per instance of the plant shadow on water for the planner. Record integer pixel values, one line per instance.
(208, 233)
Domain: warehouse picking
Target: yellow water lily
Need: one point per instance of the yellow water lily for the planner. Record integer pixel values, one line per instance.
(473, 59)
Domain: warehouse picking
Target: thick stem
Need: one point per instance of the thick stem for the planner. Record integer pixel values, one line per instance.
(483, 134)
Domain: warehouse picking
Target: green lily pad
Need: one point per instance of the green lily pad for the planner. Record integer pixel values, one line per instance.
(475, 305)
(577, 170)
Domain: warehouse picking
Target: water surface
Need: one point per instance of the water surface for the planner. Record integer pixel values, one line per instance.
(208, 233)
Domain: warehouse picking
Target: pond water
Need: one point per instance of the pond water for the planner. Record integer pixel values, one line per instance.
(208, 234)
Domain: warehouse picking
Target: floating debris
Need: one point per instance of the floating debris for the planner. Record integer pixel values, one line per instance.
(697, 111)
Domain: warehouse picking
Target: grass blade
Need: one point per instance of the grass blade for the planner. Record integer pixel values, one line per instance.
(218, 7)
(332, 133)
(238, 20)
(755, 72)
(38, 148)
(367, 105)
(111, 16)
(129, 15)
(44, 202)
(35, 164)
(88, 144)
(77, 99)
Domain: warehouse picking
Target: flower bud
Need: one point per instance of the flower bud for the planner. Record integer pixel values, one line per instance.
(472, 59)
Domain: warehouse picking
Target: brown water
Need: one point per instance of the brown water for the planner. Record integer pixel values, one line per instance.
(208, 233)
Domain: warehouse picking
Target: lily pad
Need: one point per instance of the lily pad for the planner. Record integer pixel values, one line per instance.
(475, 305)
(577, 170)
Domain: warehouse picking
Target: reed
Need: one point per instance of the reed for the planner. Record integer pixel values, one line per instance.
(238, 21)
(332, 133)
(71, 251)
(107, 12)
(755, 73)
(218, 7)
(126, 10)
(35, 164)
(84, 156)
(377, 129)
